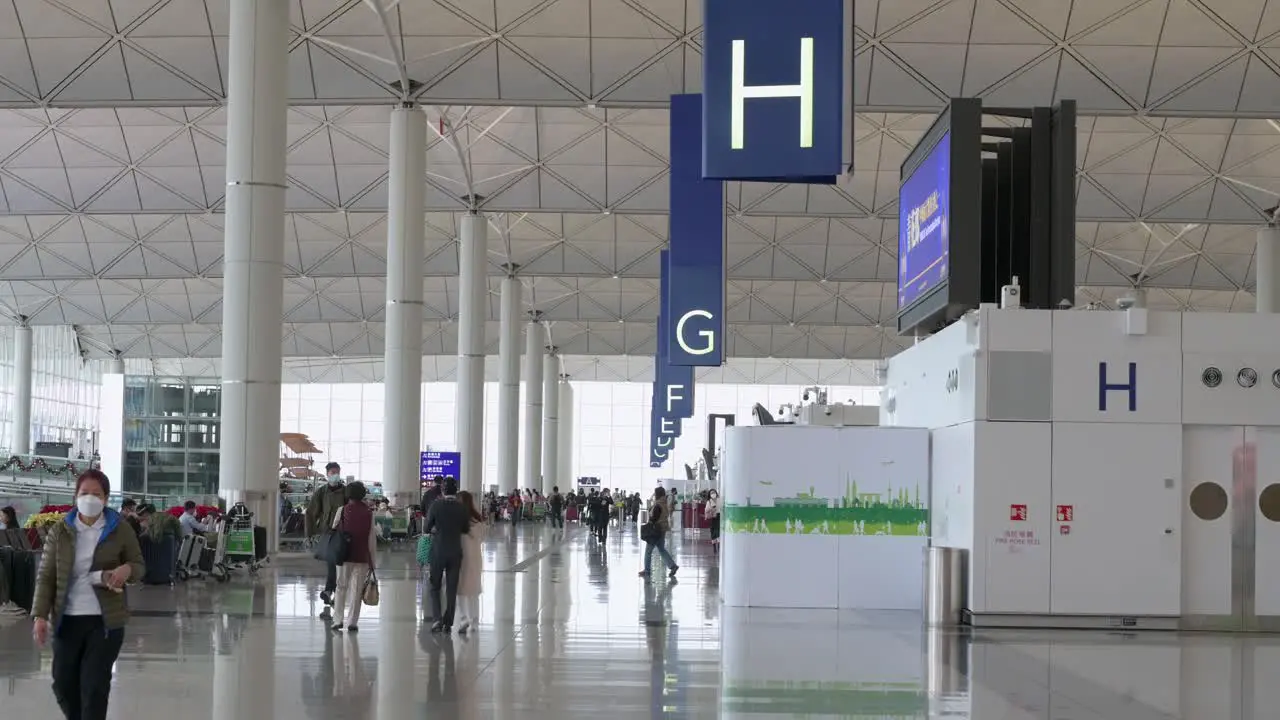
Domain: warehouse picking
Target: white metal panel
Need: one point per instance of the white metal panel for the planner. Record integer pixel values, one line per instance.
(1011, 560)
(1206, 543)
(951, 487)
(1123, 553)
(1266, 473)
(1084, 341)
(936, 382)
(1227, 387)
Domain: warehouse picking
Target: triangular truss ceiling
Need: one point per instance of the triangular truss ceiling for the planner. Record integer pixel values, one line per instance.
(112, 152)
(1216, 57)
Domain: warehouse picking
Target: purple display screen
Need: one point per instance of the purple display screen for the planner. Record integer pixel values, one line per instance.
(924, 212)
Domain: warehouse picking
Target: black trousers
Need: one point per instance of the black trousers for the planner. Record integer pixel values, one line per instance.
(330, 577)
(557, 518)
(445, 570)
(84, 653)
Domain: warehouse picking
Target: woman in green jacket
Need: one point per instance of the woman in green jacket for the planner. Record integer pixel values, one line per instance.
(79, 597)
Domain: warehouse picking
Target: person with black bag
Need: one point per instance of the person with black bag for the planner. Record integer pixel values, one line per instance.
(355, 520)
(654, 533)
(556, 505)
(321, 509)
(447, 520)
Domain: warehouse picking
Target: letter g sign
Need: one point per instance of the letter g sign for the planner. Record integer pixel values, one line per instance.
(708, 336)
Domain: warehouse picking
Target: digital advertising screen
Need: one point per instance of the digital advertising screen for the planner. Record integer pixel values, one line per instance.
(924, 214)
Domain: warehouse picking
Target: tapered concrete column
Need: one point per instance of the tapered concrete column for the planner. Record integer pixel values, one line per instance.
(402, 404)
(473, 312)
(509, 384)
(550, 421)
(1268, 270)
(567, 476)
(535, 339)
(23, 368)
(253, 262)
(253, 313)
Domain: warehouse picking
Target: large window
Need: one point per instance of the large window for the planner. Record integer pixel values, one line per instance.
(64, 390)
(611, 424)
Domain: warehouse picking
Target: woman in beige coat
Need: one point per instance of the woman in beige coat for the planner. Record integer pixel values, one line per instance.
(469, 582)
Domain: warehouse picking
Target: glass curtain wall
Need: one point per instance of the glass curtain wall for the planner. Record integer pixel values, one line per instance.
(171, 436)
(610, 435)
(64, 393)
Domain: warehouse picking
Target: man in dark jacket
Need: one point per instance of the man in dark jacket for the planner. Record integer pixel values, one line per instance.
(433, 493)
(449, 521)
(321, 510)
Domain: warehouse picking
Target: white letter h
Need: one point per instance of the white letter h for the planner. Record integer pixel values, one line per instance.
(741, 91)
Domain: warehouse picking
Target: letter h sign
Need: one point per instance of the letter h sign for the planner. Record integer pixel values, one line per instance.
(775, 96)
(1105, 386)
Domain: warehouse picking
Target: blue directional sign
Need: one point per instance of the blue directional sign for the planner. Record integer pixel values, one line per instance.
(774, 90)
(433, 464)
(695, 297)
(672, 385)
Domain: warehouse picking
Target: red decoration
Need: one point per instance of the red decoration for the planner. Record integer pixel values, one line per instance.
(202, 512)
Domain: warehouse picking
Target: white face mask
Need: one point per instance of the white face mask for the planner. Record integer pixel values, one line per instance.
(335, 479)
(90, 505)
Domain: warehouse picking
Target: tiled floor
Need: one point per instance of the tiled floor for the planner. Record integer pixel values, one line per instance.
(571, 633)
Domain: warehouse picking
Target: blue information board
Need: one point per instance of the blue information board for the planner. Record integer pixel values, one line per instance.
(924, 227)
(773, 85)
(435, 463)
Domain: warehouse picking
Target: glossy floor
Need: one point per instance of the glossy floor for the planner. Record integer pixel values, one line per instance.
(571, 632)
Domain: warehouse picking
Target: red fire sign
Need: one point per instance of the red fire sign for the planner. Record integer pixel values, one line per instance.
(1064, 529)
(1066, 513)
(1018, 513)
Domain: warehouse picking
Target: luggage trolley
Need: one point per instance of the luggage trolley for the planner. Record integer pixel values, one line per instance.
(238, 546)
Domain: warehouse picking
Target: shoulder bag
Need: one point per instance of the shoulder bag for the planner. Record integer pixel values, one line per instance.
(650, 532)
(335, 546)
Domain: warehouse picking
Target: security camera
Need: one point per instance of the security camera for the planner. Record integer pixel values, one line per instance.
(826, 409)
(1126, 302)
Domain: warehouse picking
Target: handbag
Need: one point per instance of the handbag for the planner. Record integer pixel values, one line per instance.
(335, 546)
(649, 532)
(370, 595)
(424, 550)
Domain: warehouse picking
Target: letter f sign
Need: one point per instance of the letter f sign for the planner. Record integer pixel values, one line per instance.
(741, 91)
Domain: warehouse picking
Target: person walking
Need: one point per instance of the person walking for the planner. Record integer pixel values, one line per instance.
(712, 514)
(655, 537)
(555, 504)
(470, 583)
(322, 508)
(79, 597)
(448, 521)
(356, 519)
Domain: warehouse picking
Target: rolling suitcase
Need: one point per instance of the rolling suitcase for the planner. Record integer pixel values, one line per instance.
(161, 558)
(189, 554)
(259, 542)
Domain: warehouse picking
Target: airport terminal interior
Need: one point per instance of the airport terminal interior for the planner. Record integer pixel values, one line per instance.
(902, 359)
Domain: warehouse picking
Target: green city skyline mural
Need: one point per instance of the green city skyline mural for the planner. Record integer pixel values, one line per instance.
(896, 511)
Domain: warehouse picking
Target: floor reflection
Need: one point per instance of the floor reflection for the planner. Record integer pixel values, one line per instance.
(571, 632)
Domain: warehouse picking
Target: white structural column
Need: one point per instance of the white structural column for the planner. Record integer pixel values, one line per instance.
(550, 421)
(567, 477)
(252, 310)
(509, 385)
(23, 343)
(473, 312)
(535, 339)
(402, 418)
(1268, 270)
(115, 366)
(253, 258)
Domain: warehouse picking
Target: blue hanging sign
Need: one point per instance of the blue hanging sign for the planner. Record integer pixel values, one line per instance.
(695, 297)
(433, 463)
(776, 104)
(672, 386)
